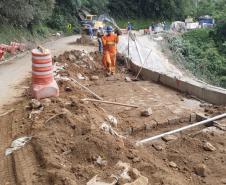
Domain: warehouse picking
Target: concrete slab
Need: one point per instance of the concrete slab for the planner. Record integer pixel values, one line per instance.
(169, 80)
(214, 95)
(191, 86)
(150, 74)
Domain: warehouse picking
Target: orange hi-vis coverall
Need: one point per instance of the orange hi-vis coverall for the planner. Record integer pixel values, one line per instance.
(110, 51)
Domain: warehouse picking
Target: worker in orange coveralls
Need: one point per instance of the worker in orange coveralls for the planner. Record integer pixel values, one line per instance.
(109, 45)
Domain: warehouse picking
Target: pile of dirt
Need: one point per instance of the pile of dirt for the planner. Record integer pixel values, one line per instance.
(72, 148)
(86, 40)
(214, 110)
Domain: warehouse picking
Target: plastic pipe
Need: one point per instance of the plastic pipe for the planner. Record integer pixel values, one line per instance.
(184, 128)
(87, 89)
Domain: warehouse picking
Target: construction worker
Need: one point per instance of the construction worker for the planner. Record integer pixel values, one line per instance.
(109, 46)
(91, 31)
(129, 26)
(165, 25)
(153, 26)
(100, 34)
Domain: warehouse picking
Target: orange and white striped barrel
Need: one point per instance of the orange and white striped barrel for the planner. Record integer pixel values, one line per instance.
(16, 45)
(2, 52)
(3, 47)
(43, 84)
(10, 49)
(22, 47)
(42, 69)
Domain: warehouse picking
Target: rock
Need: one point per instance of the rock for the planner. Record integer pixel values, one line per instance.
(135, 160)
(94, 78)
(68, 89)
(35, 104)
(69, 182)
(94, 181)
(146, 112)
(168, 138)
(130, 156)
(208, 147)
(83, 66)
(47, 100)
(128, 79)
(66, 112)
(200, 170)
(102, 161)
(71, 57)
(172, 164)
(157, 147)
(134, 173)
(140, 181)
(112, 120)
(202, 105)
(193, 117)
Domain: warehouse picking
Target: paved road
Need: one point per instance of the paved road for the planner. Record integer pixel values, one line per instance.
(14, 72)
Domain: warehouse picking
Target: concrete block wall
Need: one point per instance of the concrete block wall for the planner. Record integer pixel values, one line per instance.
(208, 93)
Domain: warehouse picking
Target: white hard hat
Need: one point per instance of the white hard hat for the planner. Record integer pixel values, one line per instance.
(101, 26)
(128, 22)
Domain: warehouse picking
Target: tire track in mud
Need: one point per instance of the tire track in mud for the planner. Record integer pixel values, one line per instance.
(6, 163)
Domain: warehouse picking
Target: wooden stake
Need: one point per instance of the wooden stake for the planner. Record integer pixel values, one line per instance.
(108, 102)
(143, 64)
(86, 89)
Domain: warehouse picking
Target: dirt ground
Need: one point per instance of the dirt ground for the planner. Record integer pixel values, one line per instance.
(64, 151)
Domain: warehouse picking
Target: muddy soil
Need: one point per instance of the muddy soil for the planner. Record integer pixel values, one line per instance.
(86, 40)
(64, 151)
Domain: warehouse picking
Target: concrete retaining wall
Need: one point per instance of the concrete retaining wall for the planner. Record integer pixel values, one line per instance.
(194, 87)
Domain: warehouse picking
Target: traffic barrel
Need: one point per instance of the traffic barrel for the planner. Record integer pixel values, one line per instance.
(3, 47)
(22, 47)
(2, 52)
(10, 49)
(43, 84)
(16, 45)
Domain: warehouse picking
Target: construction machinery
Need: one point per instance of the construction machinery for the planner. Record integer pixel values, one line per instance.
(92, 20)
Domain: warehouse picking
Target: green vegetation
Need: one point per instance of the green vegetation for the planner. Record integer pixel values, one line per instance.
(11, 33)
(203, 51)
(133, 9)
(197, 51)
(138, 24)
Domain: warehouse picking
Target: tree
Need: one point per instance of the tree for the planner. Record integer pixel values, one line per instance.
(22, 13)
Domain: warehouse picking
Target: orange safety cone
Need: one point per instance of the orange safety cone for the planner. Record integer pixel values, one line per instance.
(43, 84)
